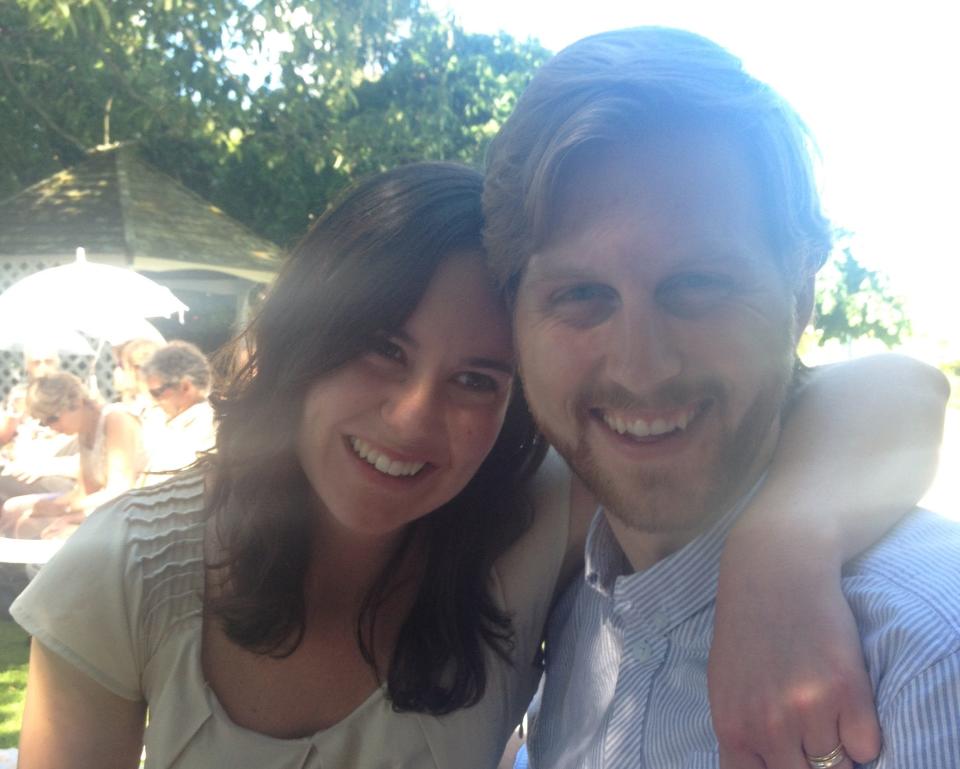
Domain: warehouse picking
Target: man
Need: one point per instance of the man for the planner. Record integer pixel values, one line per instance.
(178, 377)
(652, 215)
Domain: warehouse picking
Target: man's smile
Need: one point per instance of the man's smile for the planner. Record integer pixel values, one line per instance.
(653, 424)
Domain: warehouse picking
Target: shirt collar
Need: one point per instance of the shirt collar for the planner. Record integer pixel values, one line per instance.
(675, 586)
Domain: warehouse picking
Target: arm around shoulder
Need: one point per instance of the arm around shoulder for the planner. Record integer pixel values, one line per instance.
(71, 721)
(857, 450)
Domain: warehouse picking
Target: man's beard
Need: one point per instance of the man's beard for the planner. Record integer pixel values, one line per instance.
(660, 500)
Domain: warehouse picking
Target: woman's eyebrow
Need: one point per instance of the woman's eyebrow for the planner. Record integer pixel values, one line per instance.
(492, 363)
(404, 337)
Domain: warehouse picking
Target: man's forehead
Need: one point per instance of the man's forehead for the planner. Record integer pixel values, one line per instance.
(693, 198)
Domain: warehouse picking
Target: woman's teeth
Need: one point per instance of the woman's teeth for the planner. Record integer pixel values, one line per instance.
(382, 462)
(641, 428)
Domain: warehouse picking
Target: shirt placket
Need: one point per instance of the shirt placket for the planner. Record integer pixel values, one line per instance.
(644, 647)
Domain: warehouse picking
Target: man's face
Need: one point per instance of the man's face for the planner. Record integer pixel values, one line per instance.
(172, 397)
(655, 332)
(41, 367)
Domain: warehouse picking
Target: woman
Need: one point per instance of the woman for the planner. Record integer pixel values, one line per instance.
(111, 458)
(129, 381)
(360, 575)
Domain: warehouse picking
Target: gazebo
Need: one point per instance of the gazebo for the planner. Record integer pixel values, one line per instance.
(123, 211)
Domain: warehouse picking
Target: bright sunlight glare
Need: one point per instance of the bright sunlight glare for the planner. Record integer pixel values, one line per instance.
(875, 82)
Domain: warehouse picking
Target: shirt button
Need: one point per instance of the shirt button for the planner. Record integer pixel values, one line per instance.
(642, 650)
(659, 621)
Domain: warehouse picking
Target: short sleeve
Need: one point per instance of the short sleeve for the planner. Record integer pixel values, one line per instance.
(84, 604)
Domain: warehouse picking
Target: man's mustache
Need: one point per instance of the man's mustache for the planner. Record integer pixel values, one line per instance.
(613, 396)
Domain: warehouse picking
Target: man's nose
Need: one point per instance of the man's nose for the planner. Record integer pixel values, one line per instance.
(643, 353)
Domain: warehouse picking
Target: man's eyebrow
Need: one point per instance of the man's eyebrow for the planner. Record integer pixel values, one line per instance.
(540, 270)
(493, 364)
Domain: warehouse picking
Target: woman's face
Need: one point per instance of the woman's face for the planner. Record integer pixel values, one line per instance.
(399, 431)
(67, 420)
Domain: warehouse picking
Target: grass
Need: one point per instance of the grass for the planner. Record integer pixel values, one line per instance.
(14, 653)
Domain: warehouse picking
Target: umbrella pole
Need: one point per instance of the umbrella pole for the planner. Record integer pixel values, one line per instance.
(92, 378)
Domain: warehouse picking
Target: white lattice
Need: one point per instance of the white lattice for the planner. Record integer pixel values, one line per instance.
(11, 363)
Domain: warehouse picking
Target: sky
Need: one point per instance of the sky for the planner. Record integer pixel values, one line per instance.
(878, 85)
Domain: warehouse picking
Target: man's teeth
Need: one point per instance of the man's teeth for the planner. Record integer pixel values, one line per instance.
(382, 462)
(641, 428)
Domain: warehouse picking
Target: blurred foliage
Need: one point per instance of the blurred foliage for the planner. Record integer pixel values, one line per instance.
(854, 302)
(14, 655)
(351, 87)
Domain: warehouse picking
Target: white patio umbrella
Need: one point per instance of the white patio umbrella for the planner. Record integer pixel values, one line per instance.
(65, 341)
(109, 304)
(84, 295)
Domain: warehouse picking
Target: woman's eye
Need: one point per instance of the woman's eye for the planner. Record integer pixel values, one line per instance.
(390, 350)
(474, 381)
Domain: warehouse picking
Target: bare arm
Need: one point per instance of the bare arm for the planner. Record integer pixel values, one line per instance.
(122, 440)
(858, 450)
(71, 722)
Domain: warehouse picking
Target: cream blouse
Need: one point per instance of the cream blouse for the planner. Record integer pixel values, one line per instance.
(122, 601)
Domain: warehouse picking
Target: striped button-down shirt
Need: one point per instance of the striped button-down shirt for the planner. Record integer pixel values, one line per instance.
(626, 681)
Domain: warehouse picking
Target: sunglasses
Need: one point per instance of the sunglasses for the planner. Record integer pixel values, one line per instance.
(51, 420)
(156, 392)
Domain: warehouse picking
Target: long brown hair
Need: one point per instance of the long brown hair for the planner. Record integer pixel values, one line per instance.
(359, 273)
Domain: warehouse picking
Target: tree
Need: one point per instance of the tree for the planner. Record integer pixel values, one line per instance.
(354, 86)
(854, 302)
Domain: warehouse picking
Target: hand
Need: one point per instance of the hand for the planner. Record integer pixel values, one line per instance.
(22, 474)
(786, 673)
(62, 527)
(48, 507)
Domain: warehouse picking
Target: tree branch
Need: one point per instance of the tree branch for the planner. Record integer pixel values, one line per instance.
(51, 123)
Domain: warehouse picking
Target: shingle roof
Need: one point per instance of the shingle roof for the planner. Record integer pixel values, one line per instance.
(123, 210)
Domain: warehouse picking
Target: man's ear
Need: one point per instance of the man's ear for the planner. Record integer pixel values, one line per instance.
(803, 305)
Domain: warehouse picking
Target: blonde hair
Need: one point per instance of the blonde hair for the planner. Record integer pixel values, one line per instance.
(619, 87)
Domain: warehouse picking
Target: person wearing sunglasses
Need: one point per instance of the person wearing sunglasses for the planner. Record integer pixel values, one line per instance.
(112, 458)
(178, 378)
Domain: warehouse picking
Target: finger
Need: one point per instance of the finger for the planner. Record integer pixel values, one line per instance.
(859, 728)
(823, 749)
(738, 759)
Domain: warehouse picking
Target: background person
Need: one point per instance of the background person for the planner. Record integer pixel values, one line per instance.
(111, 458)
(360, 573)
(35, 458)
(178, 378)
(129, 380)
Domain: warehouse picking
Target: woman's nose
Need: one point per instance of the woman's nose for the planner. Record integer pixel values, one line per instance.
(414, 408)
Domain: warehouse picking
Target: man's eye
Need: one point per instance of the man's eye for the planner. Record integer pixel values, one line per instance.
(390, 350)
(695, 293)
(474, 381)
(582, 292)
(583, 305)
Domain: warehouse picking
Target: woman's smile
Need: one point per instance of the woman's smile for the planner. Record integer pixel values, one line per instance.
(383, 462)
(399, 431)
